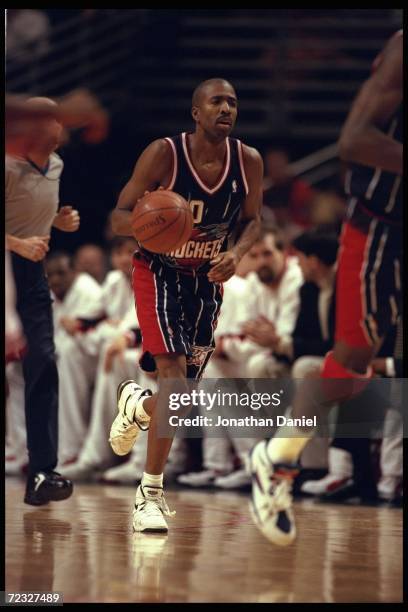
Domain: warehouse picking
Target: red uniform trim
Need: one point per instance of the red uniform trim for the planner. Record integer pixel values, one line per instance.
(146, 299)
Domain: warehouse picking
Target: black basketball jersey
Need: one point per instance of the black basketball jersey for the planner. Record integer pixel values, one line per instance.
(215, 210)
(378, 192)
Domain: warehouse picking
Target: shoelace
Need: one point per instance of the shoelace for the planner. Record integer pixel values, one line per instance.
(130, 420)
(280, 497)
(133, 420)
(152, 506)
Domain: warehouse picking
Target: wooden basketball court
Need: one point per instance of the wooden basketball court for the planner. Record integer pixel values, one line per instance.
(85, 548)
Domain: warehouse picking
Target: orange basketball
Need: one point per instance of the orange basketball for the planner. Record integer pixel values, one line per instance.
(162, 221)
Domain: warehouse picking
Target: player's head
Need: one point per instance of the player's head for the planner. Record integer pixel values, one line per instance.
(122, 249)
(60, 273)
(91, 258)
(214, 108)
(50, 131)
(317, 253)
(267, 255)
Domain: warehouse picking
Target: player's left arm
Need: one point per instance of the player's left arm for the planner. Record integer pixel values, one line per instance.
(249, 224)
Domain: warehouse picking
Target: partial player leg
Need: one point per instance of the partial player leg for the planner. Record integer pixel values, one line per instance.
(360, 327)
(137, 410)
(150, 505)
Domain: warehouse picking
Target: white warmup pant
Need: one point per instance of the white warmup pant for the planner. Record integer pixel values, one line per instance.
(391, 454)
(16, 438)
(77, 361)
(262, 365)
(217, 451)
(315, 455)
(96, 450)
(77, 370)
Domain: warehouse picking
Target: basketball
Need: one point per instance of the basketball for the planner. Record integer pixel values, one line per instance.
(162, 221)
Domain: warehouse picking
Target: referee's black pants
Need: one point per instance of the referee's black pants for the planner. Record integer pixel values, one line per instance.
(39, 364)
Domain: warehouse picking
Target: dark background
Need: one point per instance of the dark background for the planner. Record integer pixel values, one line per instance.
(295, 72)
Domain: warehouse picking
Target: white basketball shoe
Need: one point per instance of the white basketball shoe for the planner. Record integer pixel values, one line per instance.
(126, 426)
(150, 510)
(271, 505)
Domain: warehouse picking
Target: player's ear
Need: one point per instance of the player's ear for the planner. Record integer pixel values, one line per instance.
(195, 113)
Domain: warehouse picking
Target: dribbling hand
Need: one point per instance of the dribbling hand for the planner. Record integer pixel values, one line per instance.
(225, 266)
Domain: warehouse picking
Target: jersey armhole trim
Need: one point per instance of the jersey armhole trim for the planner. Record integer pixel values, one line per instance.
(241, 165)
(175, 164)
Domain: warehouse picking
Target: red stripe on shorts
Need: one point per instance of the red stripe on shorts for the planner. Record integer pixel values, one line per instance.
(350, 290)
(144, 288)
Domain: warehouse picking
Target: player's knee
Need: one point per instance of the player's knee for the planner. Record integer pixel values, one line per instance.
(170, 367)
(356, 359)
(339, 382)
(305, 367)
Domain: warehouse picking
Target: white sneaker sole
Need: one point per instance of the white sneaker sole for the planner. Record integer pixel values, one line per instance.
(276, 537)
(140, 529)
(123, 444)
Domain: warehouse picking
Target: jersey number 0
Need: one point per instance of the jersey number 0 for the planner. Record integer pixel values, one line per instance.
(197, 207)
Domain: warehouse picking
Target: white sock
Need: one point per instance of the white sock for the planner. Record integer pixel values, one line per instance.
(152, 480)
(141, 414)
(288, 444)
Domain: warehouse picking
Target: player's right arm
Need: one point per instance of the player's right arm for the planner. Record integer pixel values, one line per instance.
(362, 138)
(152, 169)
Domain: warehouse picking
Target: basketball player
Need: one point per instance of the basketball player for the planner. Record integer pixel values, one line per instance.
(178, 295)
(368, 282)
(32, 185)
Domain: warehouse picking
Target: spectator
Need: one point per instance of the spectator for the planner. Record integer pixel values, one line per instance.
(91, 258)
(77, 297)
(327, 210)
(287, 199)
(78, 356)
(272, 306)
(27, 43)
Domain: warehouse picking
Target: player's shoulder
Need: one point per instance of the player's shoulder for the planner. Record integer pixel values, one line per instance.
(390, 58)
(158, 155)
(252, 158)
(160, 148)
(250, 153)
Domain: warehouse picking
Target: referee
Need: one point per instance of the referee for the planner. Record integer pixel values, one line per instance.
(32, 186)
